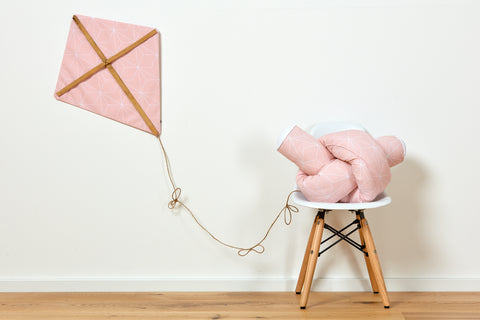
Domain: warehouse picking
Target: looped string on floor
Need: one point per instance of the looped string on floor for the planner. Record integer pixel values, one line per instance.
(287, 211)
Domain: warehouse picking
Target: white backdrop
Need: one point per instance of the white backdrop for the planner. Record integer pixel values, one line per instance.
(83, 198)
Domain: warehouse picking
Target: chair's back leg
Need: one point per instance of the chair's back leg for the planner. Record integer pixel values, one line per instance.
(301, 277)
(374, 262)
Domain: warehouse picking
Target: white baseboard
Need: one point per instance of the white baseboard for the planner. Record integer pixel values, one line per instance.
(157, 284)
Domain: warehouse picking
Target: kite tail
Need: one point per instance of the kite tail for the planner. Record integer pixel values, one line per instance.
(287, 211)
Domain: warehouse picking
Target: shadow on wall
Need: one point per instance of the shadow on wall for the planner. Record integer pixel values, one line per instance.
(400, 232)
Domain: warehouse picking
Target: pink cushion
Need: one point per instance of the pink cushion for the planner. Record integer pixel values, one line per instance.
(344, 166)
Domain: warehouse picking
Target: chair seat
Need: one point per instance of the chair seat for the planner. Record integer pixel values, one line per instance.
(381, 200)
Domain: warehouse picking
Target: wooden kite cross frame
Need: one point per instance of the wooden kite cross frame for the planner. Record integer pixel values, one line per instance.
(107, 63)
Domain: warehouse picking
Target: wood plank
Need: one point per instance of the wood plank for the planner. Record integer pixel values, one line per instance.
(238, 305)
(440, 315)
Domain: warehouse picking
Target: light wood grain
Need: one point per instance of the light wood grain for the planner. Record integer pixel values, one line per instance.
(303, 269)
(373, 282)
(374, 261)
(312, 259)
(237, 305)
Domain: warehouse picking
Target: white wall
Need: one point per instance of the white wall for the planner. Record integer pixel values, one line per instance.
(83, 198)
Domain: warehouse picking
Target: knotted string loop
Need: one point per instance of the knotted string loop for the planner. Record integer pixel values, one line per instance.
(257, 249)
(175, 198)
(288, 210)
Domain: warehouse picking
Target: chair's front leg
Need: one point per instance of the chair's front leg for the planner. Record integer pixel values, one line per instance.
(374, 261)
(301, 277)
(371, 276)
(312, 259)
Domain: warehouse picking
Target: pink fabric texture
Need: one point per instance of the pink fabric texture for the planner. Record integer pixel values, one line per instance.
(101, 94)
(344, 166)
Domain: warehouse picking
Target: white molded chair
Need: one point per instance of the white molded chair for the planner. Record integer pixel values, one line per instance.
(366, 245)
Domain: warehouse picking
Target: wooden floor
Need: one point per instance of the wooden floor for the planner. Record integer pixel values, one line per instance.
(238, 305)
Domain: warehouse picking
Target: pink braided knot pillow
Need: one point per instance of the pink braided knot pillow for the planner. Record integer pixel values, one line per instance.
(344, 166)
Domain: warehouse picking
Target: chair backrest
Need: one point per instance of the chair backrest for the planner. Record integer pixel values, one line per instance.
(323, 128)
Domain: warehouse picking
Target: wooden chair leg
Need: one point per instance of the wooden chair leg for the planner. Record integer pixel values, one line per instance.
(312, 259)
(374, 262)
(301, 277)
(371, 276)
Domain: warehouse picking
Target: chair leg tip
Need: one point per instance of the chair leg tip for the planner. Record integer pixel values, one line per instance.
(302, 307)
(375, 292)
(387, 307)
(297, 292)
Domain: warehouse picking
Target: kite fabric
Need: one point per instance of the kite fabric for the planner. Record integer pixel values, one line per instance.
(113, 69)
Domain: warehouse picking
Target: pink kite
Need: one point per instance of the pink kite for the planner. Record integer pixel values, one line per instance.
(112, 69)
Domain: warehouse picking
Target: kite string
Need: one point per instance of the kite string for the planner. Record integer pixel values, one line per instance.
(287, 211)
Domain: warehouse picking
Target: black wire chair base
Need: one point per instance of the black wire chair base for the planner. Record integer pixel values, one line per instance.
(343, 237)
